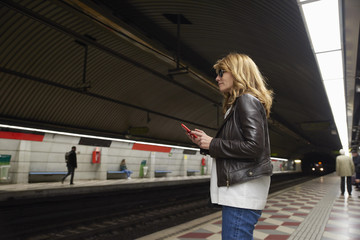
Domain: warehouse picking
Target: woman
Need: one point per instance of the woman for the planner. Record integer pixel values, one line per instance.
(123, 167)
(240, 177)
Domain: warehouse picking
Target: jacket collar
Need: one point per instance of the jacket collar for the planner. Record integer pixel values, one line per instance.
(227, 117)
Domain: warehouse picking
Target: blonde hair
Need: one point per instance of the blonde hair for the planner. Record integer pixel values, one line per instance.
(248, 79)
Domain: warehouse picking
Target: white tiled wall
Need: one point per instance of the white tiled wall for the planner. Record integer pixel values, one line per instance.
(48, 155)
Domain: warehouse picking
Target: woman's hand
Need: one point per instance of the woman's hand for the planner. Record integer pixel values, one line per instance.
(202, 140)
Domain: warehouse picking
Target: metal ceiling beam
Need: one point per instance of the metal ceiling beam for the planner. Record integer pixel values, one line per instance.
(88, 9)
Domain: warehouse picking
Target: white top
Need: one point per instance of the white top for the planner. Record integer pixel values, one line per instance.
(250, 195)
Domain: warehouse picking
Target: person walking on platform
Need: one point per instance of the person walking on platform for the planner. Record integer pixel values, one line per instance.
(71, 164)
(345, 169)
(356, 161)
(123, 167)
(240, 176)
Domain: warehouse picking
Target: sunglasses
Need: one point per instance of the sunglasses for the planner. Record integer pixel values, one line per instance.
(221, 73)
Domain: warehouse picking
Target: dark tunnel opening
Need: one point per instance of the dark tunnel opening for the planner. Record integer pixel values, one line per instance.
(312, 163)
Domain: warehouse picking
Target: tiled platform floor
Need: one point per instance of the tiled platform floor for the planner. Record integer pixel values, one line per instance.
(312, 210)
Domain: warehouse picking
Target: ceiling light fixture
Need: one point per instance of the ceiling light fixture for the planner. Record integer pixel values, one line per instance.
(322, 18)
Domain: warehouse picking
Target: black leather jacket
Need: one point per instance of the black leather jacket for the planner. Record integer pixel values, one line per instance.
(241, 147)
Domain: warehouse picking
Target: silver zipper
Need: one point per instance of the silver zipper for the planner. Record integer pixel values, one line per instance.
(227, 179)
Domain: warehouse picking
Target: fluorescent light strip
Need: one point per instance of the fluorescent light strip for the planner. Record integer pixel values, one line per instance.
(96, 137)
(279, 159)
(331, 65)
(322, 20)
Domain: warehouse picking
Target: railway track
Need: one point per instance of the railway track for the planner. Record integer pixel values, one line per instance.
(127, 214)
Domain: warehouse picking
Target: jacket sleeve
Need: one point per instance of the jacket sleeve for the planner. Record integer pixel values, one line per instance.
(250, 123)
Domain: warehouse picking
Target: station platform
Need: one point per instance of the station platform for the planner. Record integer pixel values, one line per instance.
(53, 189)
(313, 210)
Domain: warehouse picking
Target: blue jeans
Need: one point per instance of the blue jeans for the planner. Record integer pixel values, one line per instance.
(128, 172)
(238, 223)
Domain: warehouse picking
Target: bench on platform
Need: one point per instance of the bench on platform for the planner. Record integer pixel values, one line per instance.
(116, 174)
(192, 172)
(45, 176)
(161, 173)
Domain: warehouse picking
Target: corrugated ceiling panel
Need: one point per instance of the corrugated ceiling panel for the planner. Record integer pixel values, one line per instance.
(48, 64)
(55, 49)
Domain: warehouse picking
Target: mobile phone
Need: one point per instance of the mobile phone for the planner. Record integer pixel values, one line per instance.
(188, 130)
